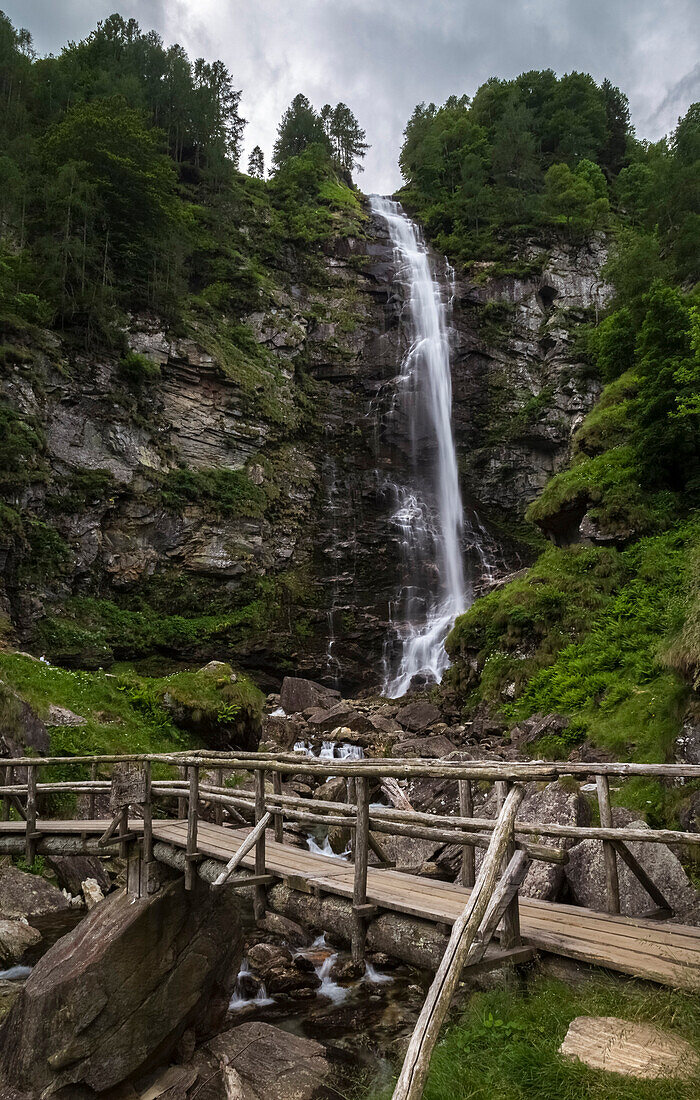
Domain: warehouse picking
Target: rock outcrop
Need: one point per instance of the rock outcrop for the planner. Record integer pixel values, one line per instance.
(302, 420)
(117, 992)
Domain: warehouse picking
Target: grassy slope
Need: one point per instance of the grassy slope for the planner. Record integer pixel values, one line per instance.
(505, 1044)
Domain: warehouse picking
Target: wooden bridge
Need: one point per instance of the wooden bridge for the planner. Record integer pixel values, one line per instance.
(201, 812)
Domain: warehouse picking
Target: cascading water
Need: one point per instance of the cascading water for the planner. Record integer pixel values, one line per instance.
(428, 512)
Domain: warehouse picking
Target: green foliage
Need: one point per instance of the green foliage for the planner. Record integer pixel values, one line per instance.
(475, 172)
(335, 132)
(225, 492)
(583, 635)
(22, 451)
(137, 369)
(577, 198)
(506, 1043)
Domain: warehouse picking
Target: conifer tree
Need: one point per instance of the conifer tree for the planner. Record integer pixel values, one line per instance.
(256, 163)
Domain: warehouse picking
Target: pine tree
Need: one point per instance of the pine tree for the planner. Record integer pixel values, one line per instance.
(300, 127)
(256, 163)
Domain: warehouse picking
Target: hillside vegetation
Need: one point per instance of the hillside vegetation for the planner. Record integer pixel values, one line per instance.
(603, 628)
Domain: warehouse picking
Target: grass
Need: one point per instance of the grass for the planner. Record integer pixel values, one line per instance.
(505, 1044)
(596, 634)
(128, 713)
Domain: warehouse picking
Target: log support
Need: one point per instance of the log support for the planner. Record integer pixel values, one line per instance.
(612, 885)
(361, 848)
(192, 819)
(467, 943)
(260, 903)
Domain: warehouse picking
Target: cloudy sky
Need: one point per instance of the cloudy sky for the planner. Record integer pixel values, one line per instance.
(384, 56)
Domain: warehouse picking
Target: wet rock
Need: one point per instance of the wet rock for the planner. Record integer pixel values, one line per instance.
(24, 895)
(585, 874)
(16, 937)
(285, 928)
(119, 989)
(345, 970)
(282, 973)
(333, 790)
(417, 716)
(326, 721)
(297, 694)
(72, 871)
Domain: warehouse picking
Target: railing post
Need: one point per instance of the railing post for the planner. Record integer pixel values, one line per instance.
(278, 817)
(147, 815)
(182, 800)
(6, 775)
(510, 936)
(219, 806)
(359, 894)
(466, 809)
(260, 902)
(31, 814)
(612, 884)
(92, 795)
(192, 811)
(123, 830)
(350, 797)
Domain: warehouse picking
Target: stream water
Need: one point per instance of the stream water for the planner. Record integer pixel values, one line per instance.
(428, 508)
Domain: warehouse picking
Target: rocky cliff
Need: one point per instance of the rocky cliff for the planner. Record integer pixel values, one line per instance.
(228, 491)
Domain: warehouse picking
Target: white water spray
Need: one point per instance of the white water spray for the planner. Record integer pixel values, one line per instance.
(429, 512)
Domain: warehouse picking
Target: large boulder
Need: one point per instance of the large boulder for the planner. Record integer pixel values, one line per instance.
(438, 746)
(553, 803)
(340, 714)
(585, 874)
(298, 694)
(16, 937)
(23, 895)
(20, 727)
(271, 1062)
(418, 716)
(116, 993)
(72, 871)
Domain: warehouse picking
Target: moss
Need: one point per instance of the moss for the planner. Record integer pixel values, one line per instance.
(138, 370)
(82, 489)
(221, 491)
(608, 487)
(22, 451)
(585, 634)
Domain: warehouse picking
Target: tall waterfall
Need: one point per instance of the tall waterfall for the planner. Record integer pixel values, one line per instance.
(428, 511)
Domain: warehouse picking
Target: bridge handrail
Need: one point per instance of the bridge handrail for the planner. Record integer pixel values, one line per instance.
(463, 829)
(384, 767)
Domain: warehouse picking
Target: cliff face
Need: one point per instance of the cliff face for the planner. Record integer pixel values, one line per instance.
(232, 496)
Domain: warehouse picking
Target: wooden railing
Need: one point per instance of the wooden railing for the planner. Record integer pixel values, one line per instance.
(198, 779)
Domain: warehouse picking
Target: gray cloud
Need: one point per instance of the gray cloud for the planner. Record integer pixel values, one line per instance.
(384, 56)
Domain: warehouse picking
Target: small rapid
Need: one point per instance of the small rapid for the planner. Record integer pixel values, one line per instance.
(428, 513)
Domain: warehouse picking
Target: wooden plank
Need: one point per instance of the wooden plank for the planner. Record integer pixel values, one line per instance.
(260, 903)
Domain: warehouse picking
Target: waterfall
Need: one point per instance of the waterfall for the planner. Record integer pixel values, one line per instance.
(428, 513)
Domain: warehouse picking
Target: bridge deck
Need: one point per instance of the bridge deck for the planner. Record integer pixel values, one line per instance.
(660, 951)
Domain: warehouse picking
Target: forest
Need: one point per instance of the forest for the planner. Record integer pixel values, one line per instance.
(221, 464)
